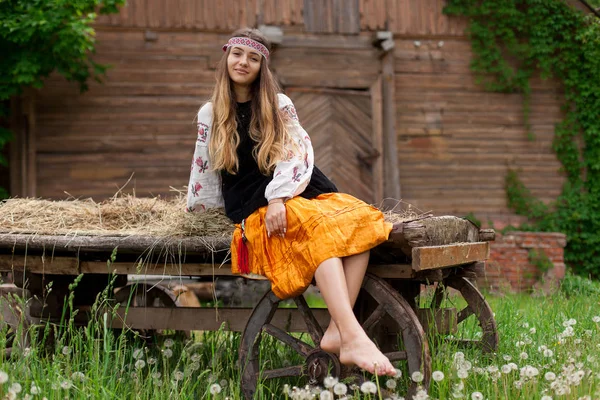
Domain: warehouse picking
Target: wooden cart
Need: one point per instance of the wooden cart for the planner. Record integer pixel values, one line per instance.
(401, 297)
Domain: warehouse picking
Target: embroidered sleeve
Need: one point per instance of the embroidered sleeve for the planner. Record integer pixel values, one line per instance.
(292, 175)
(204, 188)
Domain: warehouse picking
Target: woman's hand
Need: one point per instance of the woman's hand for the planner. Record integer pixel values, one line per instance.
(276, 219)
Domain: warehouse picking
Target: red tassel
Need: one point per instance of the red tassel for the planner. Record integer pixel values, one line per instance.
(243, 265)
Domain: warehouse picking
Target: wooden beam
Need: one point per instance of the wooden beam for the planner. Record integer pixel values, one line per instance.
(391, 189)
(16, 150)
(30, 173)
(377, 113)
(209, 319)
(433, 257)
(73, 266)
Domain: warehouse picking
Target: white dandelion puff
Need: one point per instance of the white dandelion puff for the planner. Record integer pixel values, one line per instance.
(139, 364)
(462, 373)
(417, 376)
(178, 375)
(398, 374)
(506, 369)
(34, 389)
(156, 375)
(368, 387)
(78, 376)
(151, 361)
(66, 350)
(549, 376)
(546, 397)
(169, 343)
(340, 389)
(329, 382)
(437, 376)
(548, 353)
(215, 388)
(167, 353)
(138, 353)
(596, 318)
(523, 356)
(390, 384)
(3, 377)
(476, 396)
(16, 387)
(325, 395)
(66, 384)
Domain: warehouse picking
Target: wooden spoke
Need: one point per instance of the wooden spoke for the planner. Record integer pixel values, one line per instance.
(464, 314)
(295, 370)
(396, 355)
(298, 345)
(374, 318)
(314, 329)
(476, 305)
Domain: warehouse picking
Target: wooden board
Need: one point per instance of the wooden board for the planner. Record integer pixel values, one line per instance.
(209, 319)
(433, 257)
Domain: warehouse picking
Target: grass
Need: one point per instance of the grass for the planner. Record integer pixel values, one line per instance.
(541, 338)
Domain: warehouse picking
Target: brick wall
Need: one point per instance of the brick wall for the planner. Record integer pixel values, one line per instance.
(509, 266)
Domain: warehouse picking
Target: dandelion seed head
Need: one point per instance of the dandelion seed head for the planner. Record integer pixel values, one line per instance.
(506, 369)
(437, 376)
(546, 397)
(523, 356)
(476, 396)
(66, 350)
(329, 382)
(138, 353)
(215, 388)
(549, 376)
(417, 376)
(596, 318)
(518, 384)
(78, 376)
(462, 373)
(532, 331)
(178, 375)
(421, 395)
(3, 377)
(340, 389)
(325, 395)
(368, 387)
(506, 357)
(11, 395)
(66, 384)
(195, 357)
(156, 375)
(390, 384)
(167, 353)
(398, 374)
(548, 353)
(169, 343)
(151, 361)
(139, 364)
(34, 389)
(16, 387)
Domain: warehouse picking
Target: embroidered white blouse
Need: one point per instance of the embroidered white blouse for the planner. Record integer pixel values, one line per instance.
(290, 178)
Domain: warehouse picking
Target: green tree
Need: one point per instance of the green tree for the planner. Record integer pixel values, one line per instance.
(38, 37)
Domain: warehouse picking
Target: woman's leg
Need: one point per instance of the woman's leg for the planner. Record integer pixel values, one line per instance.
(355, 268)
(356, 347)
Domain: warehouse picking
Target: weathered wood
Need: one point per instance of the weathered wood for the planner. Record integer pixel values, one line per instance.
(432, 257)
(391, 185)
(487, 235)
(377, 114)
(210, 319)
(132, 244)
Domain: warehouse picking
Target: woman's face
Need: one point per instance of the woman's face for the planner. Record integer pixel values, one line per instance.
(243, 65)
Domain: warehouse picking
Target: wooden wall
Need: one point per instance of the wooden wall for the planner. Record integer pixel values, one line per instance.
(457, 141)
(404, 17)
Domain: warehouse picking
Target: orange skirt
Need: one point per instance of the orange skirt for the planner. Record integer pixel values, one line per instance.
(330, 225)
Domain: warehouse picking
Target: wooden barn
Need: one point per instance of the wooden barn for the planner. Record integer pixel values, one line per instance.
(382, 86)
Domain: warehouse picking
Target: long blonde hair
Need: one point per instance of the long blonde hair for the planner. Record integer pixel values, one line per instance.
(267, 126)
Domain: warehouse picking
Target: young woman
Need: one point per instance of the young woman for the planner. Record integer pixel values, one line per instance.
(254, 158)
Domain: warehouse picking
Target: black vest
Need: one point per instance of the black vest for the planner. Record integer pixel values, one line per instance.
(244, 192)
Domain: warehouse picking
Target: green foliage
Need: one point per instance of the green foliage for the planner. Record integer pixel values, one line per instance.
(473, 219)
(579, 286)
(38, 37)
(540, 260)
(514, 39)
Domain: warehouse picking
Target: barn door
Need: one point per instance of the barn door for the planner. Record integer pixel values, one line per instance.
(345, 129)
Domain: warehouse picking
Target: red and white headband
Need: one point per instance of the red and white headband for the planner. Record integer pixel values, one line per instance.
(244, 41)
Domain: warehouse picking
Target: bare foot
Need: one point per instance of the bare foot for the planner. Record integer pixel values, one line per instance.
(363, 353)
(330, 342)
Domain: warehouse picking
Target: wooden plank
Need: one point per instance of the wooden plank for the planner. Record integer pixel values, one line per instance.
(392, 271)
(433, 257)
(392, 184)
(210, 319)
(377, 115)
(73, 266)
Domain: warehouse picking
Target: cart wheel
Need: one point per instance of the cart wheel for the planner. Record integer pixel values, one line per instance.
(476, 306)
(146, 295)
(391, 309)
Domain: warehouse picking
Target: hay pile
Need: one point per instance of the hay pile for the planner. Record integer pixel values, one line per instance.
(124, 215)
